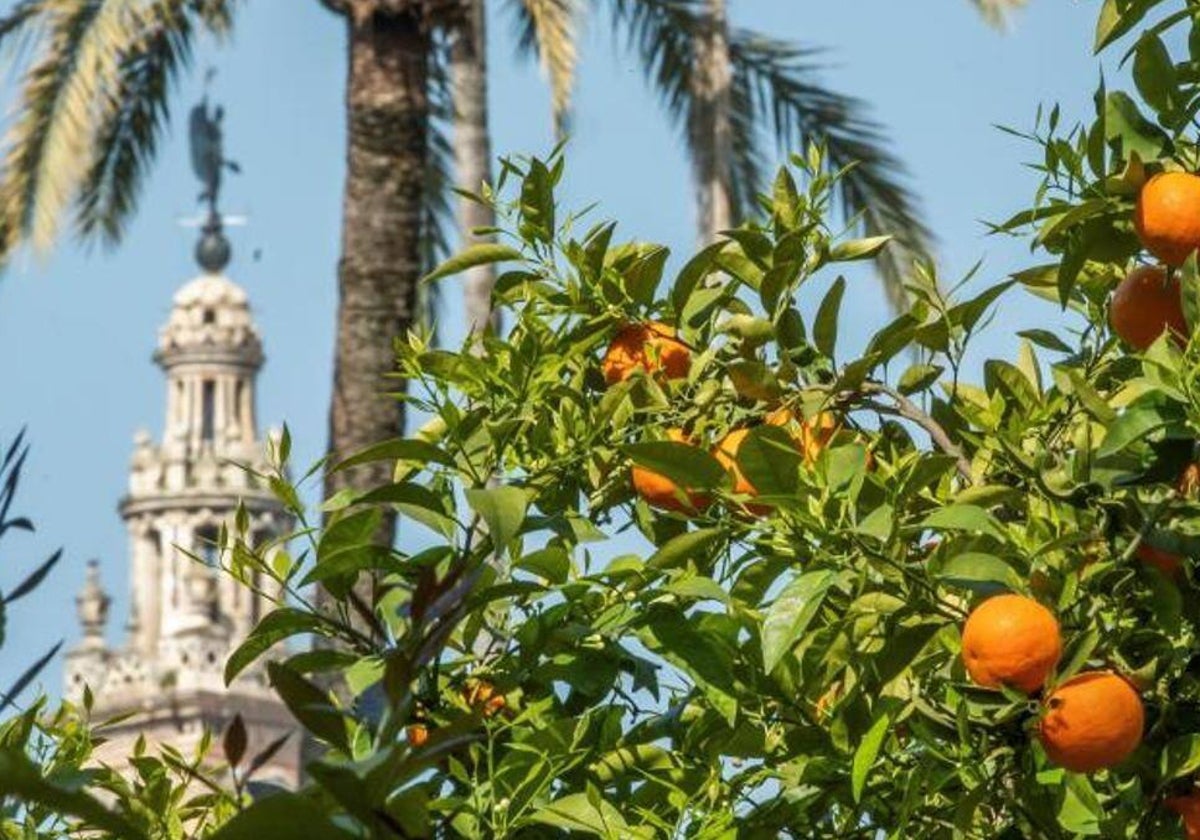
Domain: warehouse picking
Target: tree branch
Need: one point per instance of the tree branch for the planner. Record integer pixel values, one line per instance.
(909, 410)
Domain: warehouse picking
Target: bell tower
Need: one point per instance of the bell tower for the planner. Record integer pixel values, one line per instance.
(187, 612)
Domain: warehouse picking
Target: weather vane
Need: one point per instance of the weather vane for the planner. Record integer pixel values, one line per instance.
(209, 163)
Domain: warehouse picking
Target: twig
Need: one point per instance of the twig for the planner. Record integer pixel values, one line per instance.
(909, 410)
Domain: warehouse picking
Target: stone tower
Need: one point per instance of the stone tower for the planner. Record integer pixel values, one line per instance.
(186, 614)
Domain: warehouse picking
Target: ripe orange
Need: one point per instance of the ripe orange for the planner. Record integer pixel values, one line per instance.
(1146, 303)
(1167, 216)
(812, 435)
(1011, 640)
(663, 493)
(1188, 809)
(726, 453)
(651, 347)
(1092, 721)
(1169, 564)
(417, 734)
(482, 695)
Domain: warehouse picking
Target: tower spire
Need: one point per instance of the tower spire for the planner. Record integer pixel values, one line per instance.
(206, 139)
(200, 479)
(92, 605)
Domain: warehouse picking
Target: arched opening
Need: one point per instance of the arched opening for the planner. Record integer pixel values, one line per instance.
(208, 404)
(205, 544)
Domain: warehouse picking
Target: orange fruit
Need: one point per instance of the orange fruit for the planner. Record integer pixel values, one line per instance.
(1092, 721)
(1167, 216)
(482, 695)
(726, 453)
(663, 493)
(650, 347)
(1188, 809)
(812, 435)
(1011, 640)
(417, 734)
(1146, 303)
(1169, 564)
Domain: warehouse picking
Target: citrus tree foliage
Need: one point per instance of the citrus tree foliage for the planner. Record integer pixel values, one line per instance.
(780, 654)
(43, 751)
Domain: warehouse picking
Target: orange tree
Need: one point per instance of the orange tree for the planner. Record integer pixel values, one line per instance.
(694, 568)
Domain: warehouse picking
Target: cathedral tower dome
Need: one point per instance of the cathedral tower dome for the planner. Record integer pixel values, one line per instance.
(210, 321)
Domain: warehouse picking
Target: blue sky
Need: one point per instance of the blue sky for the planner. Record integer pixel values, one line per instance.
(77, 327)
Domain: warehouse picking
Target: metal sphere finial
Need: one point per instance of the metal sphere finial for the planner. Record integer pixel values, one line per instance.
(213, 250)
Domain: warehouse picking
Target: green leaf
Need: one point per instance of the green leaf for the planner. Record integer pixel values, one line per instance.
(22, 779)
(1130, 426)
(502, 510)
(791, 613)
(768, 458)
(858, 249)
(1081, 810)
(1118, 17)
(825, 328)
(576, 812)
(1080, 651)
(481, 253)
(275, 626)
(974, 568)
(675, 551)
(964, 518)
(867, 752)
(537, 204)
(33, 579)
(552, 563)
(412, 450)
(642, 278)
(414, 501)
(1125, 122)
(703, 655)
(1154, 73)
(310, 705)
(696, 269)
(1181, 756)
(283, 814)
(918, 378)
(686, 465)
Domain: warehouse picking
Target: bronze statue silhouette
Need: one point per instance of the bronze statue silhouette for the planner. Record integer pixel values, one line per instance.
(208, 155)
(209, 163)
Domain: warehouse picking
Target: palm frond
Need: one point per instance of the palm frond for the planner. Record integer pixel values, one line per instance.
(998, 12)
(785, 96)
(547, 29)
(775, 94)
(129, 125)
(92, 107)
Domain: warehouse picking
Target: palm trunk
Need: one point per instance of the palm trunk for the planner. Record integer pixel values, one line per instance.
(473, 155)
(710, 127)
(387, 118)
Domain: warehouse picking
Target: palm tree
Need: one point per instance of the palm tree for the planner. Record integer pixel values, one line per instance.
(94, 104)
(721, 88)
(93, 107)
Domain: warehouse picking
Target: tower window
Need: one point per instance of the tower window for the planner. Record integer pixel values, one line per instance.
(209, 316)
(206, 545)
(208, 398)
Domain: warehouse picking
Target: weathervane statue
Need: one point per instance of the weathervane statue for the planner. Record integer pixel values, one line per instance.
(208, 162)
